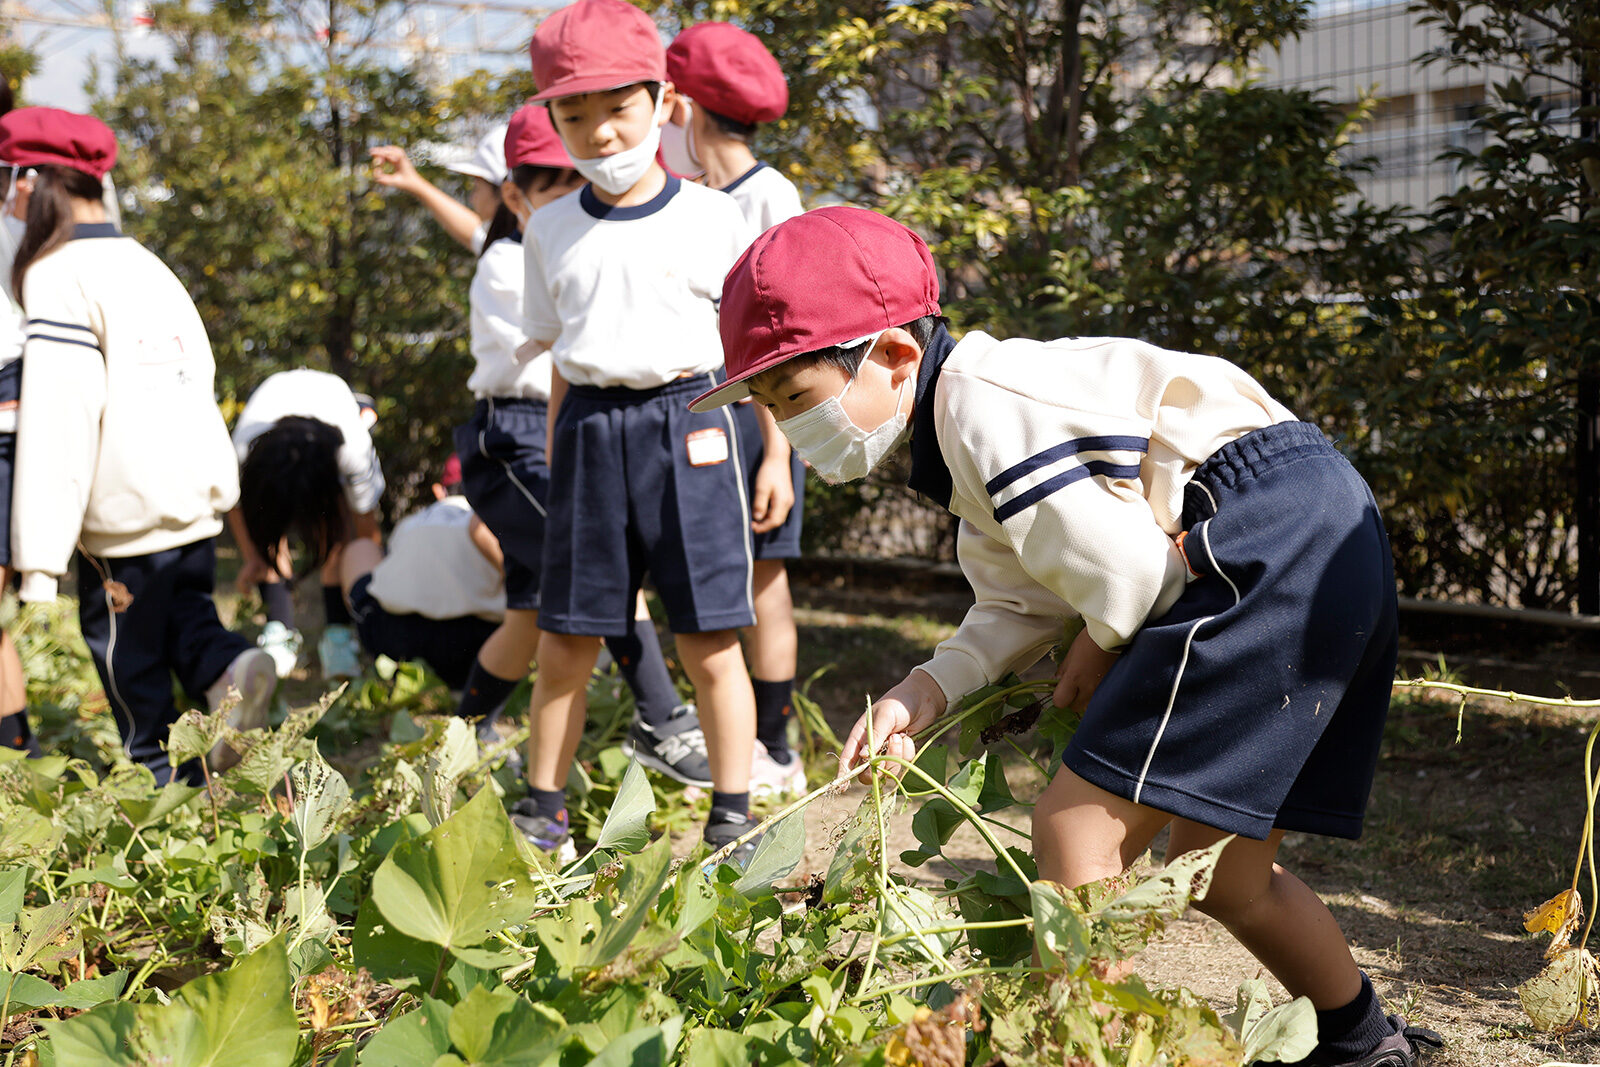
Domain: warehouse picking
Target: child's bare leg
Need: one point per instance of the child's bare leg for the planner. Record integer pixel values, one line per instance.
(13, 684)
(558, 706)
(510, 650)
(1081, 833)
(715, 665)
(773, 644)
(1275, 915)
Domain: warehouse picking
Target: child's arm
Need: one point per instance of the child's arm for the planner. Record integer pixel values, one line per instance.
(391, 167)
(484, 540)
(558, 391)
(253, 568)
(773, 496)
(58, 432)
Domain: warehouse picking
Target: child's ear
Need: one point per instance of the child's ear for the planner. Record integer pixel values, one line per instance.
(901, 353)
(513, 199)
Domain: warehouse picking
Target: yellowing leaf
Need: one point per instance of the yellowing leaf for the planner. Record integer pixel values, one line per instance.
(1563, 995)
(1560, 916)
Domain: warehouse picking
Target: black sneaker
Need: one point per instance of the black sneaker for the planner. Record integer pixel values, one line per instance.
(677, 748)
(1403, 1048)
(728, 828)
(542, 832)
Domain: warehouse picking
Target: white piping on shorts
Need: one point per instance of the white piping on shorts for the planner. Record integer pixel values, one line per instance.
(111, 650)
(744, 502)
(483, 450)
(1183, 663)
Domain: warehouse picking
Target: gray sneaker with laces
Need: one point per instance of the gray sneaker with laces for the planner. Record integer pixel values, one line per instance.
(677, 748)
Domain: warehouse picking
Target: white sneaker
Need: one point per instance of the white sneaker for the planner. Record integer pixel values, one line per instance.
(282, 644)
(339, 651)
(252, 679)
(769, 778)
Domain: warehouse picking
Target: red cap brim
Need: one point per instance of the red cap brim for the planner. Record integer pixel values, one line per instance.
(589, 83)
(730, 391)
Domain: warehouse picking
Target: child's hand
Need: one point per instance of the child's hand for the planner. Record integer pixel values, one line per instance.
(391, 167)
(908, 708)
(252, 572)
(1079, 675)
(773, 496)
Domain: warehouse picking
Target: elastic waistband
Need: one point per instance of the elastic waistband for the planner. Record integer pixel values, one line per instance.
(691, 385)
(509, 403)
(1258, 451)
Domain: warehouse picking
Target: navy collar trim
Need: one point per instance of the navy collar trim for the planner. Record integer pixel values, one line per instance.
(95, 229)
(930, 475)
(601, 210)
(746, 176)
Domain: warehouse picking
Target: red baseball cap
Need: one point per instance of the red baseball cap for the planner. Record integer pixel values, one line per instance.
(595, 45)
(48, 136)
(532, 140)
(450, 477)
(729, 71)
(820, 279)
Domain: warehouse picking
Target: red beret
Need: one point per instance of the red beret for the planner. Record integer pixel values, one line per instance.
(531, 140)
(820, 279)
(729, 71)
(595, 45)
(39, 136)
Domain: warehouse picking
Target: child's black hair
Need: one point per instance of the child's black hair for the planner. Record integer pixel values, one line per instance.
(849, 359)
(50, 215)
(531, 178)
(743, 132)
(502, 224)
(289, 484)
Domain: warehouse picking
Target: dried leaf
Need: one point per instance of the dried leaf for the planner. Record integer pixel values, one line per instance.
(1560, 916)
(1563, 995)
(121, 599)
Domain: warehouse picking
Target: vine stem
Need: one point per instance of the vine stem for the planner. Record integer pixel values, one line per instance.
(970, 972)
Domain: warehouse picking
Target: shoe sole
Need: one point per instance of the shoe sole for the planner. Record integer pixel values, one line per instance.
(256, 687)
(655, 763)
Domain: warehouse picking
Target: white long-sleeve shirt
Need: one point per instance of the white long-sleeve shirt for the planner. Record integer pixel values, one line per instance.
(434, 569)
(315, 394)
(120, 443)
(495, 300)
(1066, 462)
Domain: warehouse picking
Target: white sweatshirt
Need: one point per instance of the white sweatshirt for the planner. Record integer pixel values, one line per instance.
(433, 569)
(765, 196)
(120, 443)
(495, 300)
(315, 394)
(1066, 462)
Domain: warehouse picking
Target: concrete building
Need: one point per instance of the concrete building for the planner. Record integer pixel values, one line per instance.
(1371, 48)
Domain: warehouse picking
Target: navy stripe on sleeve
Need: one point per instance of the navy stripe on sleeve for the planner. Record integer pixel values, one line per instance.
(63, 340)
(1061, 451)
(59, 325)
(1095, 467)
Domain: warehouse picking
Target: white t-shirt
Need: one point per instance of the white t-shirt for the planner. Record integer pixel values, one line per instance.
(496, 302)
(433, 569)
(628, 296)
(314, 394)
(765, 196)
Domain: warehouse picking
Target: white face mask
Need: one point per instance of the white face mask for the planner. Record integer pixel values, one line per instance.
(677, 146)
(829, 439)
(617, 173)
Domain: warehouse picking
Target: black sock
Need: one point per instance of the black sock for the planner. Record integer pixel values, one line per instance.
(551, 803)
(639, 658)
(724, 805)
(1352, 1031)
(334, 611)
(16, 733)
(774, 706)
(278, 601)
(484, 694)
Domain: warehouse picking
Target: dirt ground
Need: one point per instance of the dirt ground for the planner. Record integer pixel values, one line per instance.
(1461, 839)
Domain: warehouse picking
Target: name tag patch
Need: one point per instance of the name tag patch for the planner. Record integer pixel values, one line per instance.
(707, 447)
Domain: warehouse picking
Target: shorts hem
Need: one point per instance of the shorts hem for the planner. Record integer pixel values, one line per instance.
(712, 622)
(760, 552)
(579, 626)
(1322, 823)
(1165, 798)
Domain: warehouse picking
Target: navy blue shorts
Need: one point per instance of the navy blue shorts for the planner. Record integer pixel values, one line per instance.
(10, 390)
(1258, 701)
(642, 484)
(448, 646)
(784, 542)
(505, 479)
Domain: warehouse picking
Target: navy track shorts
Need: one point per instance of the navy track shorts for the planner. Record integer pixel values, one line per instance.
(505, 479)
(1258, 701)
(784, 542)
(640, 484)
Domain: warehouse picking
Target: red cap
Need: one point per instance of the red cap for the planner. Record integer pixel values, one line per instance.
(595, 45)
(820, 279)
(532, 140)
(729, 71)
(450, 477)
(35, 136)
